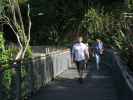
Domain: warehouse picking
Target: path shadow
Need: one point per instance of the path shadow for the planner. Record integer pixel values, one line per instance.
(97, 85)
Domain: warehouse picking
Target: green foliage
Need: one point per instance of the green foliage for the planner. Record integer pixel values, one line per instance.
(130, 4)
(100, 24)
(2, 6)
(93, 21)
(122, 39)
(55, 20)
(3, 53)
(7, 55)
(6, 82)
(22, 1)
(29, 53)
(114, 30)
(2, 42)
(4, 64)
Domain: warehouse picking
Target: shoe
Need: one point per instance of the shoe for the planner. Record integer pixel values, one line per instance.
(98, 67)
(80, 80)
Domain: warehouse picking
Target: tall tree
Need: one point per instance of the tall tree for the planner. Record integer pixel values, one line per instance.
(13, 18)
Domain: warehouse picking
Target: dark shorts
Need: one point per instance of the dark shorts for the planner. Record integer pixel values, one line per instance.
(80, 65)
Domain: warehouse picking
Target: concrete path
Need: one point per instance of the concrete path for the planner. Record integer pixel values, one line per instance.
(97, 85)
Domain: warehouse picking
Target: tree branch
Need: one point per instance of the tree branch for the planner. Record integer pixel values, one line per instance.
(29, 29)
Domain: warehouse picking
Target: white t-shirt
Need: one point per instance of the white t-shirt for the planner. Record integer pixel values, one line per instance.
(78, 51)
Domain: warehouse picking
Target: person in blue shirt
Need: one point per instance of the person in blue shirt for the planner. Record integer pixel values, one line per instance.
(98, 51)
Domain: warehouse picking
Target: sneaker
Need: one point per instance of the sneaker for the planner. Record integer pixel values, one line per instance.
(98, 67)
(80, 80)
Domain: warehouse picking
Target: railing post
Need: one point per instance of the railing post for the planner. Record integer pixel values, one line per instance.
(17, 69)
(30, 78)
(1, 75)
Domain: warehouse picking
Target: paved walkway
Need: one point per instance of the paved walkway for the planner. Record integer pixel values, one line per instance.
(97, 85)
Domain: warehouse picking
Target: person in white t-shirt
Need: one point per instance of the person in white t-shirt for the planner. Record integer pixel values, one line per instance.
(79, 55)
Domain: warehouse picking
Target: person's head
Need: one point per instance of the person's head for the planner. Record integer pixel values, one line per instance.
(79, 39)
(98, 40)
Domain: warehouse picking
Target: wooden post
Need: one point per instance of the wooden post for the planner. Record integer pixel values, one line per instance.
(17, 66)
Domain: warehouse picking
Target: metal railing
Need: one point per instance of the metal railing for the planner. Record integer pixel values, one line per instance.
(120, 75)
(29, 76)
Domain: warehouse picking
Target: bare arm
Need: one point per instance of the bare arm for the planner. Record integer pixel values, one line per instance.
(87, 53)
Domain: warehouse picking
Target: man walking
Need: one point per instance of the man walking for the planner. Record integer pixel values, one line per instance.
(98, 51)
(79, 55)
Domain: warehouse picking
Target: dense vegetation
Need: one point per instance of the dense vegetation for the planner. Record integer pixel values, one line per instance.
(61, 20)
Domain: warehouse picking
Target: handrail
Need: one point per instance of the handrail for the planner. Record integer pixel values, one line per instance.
(121, 76)
(39, 71)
